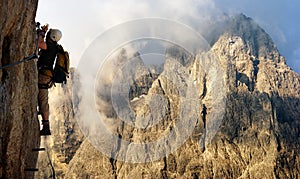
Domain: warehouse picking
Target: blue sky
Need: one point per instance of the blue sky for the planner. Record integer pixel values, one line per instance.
(82, 21)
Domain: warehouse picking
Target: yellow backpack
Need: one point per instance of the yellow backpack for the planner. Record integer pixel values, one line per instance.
(62, 65)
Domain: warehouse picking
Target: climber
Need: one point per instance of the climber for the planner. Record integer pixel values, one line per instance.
(48, 51)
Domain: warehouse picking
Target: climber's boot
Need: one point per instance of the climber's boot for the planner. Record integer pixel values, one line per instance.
(46, 128)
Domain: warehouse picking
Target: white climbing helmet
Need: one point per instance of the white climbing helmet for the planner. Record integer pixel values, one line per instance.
(55, 35)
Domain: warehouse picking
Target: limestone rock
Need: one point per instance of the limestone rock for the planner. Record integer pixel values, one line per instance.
(244, 98)
(19, 129)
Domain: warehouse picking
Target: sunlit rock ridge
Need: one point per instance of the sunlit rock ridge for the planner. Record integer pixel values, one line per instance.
(258, 134)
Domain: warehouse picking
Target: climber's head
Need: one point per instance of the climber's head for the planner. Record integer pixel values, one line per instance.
(54, 34)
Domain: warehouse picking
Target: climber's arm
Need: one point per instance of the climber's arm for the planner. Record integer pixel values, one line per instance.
(42, 43)
(42, 33)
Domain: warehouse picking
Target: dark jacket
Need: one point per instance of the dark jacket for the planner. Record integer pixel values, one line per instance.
(47, 57)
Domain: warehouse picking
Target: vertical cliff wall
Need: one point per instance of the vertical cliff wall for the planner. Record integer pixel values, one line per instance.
(19, 129)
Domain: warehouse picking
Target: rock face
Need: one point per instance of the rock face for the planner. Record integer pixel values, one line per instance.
(19, 129)
(245, 102)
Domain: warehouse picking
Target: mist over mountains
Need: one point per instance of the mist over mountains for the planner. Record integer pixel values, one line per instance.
(242, 80)
(229, 111)
(279, 19)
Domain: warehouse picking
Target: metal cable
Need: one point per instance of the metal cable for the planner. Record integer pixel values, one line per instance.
(33, 56)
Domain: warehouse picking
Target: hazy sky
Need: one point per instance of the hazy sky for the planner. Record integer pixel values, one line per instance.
(82, 21)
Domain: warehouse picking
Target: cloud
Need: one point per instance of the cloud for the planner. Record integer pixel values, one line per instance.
(81, 21)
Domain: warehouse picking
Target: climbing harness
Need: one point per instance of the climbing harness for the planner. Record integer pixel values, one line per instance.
(33, 56)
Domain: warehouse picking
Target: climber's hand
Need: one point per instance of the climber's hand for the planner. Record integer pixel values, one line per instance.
(45, 27)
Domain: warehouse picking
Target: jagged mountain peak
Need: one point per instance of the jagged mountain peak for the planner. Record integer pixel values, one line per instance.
(259, 128)
(255, 39)
(259, 43)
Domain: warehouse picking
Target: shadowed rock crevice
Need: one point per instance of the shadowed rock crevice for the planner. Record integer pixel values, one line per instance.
(5, 57)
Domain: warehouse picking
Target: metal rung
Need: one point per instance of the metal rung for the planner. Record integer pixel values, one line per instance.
(38, 149)
(31, 169)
